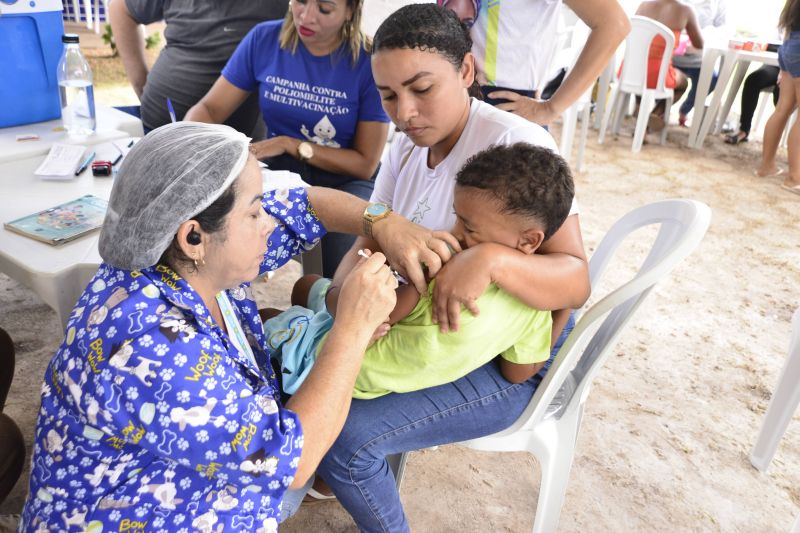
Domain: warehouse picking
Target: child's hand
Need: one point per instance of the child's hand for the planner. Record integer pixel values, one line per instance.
(382, 330)
(460, 282)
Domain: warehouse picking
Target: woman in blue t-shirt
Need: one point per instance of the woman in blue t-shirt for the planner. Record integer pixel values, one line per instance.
(319, 101)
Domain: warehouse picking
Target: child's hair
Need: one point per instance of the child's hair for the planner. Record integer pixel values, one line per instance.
(790, 16)
(425, 27)
(528, 180)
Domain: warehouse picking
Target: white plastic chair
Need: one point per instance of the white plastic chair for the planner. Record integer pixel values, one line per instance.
(633, 80)
(548, 428)
(783, 404)
(582, 107)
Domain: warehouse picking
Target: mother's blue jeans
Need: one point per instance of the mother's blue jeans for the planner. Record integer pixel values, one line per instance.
(479, 404)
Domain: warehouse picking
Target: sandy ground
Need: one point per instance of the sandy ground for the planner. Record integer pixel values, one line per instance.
(674, 412)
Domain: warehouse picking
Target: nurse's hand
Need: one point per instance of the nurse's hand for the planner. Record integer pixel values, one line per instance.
(416, 252)
(367, 296)
(461, 282)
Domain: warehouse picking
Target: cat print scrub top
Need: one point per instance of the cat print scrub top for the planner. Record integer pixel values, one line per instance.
(152, 419)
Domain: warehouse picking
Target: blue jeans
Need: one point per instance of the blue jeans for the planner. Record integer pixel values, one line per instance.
(693, 73)
(479, 404)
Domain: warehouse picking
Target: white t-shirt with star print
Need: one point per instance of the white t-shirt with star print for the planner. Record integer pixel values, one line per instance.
(425, 195)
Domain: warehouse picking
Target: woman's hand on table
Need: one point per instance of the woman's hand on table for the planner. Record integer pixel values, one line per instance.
(461, 282)
(413, 250)
(367, 296)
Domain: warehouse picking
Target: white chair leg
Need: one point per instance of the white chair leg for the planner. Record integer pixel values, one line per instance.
(568, 120)
(397, 462)
(603, 88)
(620, 112)
(666, 121)
(645, 106)
(586, 116)
(555, 458)
(782, 406)
(796, 526)
(609, 111)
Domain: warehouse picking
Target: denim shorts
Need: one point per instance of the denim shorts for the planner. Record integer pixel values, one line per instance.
(789, 54)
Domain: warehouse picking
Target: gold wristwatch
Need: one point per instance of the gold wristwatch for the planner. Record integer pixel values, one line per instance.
(305, 151)
(374, 212)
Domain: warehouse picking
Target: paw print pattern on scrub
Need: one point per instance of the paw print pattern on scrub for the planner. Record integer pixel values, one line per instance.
(166, 426)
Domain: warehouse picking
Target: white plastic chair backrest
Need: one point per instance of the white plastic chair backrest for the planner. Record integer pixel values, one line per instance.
(633, 77)
(683, 223)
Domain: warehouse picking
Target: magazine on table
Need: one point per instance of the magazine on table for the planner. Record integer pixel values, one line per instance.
(64, 222)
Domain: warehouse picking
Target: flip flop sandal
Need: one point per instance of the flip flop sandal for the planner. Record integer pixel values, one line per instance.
(735, 139)
(314, 496)
(791, 188)
(779, 173)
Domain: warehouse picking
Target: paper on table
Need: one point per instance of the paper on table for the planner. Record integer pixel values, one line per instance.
(61, 162)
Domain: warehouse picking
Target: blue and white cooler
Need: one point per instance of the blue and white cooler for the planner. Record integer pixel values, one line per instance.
(30, 47)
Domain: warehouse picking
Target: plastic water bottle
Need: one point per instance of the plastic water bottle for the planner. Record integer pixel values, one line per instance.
(75, 89)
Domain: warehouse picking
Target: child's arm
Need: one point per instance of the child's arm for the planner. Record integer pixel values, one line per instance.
(407, 298)
(517, 373)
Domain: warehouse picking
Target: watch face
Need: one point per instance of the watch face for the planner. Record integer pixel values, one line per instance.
(305, 150)
(376, 210)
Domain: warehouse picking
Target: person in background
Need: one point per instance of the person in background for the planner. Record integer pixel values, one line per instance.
(677, 17)
(513, 45)
(200, 38)
(755, 82)
(466, 10)
(160, 410)
(711, 16)
(789, 82)
(313, 78)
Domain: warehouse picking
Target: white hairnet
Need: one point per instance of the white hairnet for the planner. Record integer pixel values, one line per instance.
(169, 176)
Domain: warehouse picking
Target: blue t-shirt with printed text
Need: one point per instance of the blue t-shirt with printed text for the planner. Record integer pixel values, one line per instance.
(318, 99)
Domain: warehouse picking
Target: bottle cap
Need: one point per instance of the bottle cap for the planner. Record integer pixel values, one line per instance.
(70, 38)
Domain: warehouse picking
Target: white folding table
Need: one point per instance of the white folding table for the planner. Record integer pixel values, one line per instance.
(111, 124)
(735, 63)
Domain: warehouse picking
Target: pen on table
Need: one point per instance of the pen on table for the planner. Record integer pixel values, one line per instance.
(171, 110)
(117, 160)
(86, 162)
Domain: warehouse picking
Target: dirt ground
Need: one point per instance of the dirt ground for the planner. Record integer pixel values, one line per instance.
(674, 412)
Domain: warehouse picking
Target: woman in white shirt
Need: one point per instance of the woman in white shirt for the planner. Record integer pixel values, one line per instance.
(423, 67)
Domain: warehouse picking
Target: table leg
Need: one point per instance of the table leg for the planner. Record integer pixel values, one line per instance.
(722, 83)
(703, 83)
(741, 69)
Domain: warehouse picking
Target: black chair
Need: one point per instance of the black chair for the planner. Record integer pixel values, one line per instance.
(12, 445)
